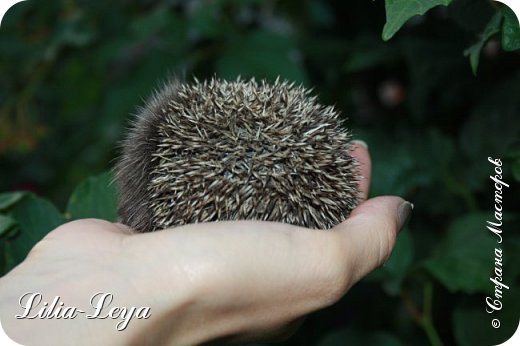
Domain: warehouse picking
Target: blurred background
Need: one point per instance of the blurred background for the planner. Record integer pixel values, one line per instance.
(74, 71)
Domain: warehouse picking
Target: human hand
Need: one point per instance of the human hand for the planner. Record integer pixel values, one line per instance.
(235, 280)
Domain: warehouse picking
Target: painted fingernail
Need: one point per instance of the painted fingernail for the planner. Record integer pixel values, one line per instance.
(404, 213)
(360, 143)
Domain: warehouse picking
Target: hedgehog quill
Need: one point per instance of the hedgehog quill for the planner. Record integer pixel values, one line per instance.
(236, 150)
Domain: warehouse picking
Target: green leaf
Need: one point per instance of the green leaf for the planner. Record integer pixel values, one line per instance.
(35, 217)
(96, 197)
(354, 337)
(399, 12)
(464, 258)
(262, 55)
(6, 223)
(510, 30)
(7, 199)
(474, 51)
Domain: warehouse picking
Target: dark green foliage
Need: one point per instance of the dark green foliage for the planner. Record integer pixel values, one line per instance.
(398, 12)
(35, 217)
(460, 259)
(73, 72)
(96, 197)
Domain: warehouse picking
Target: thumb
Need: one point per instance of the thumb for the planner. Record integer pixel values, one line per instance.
(370, 233)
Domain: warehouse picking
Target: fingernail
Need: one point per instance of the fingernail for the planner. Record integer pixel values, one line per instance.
(360, 143)
(404, 212)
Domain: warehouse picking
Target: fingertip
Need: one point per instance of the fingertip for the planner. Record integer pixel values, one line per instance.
(359, 142)
(404, 213)
(369, 233)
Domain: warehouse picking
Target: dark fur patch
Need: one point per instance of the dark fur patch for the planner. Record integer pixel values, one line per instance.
(133, 170)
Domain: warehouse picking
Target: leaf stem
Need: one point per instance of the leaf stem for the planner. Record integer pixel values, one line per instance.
(423, 319)
(411, 307)
(426, 318)
(431, 332)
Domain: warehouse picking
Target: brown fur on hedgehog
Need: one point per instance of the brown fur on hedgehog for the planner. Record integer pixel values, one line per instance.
(233, 150)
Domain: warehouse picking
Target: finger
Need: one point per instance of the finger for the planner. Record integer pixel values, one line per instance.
(369, 233)
(360, 152)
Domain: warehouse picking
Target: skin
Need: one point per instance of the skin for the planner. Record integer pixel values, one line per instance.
(232, 281)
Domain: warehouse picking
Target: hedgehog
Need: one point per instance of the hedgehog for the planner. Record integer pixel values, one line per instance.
(219, 150)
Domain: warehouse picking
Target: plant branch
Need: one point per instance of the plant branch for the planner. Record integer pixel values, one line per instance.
(424, 318)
